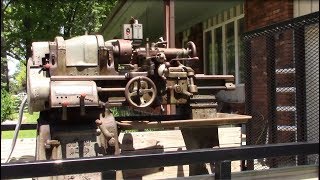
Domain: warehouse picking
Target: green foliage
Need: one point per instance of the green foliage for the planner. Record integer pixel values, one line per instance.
(7, 105)
(118, 111)
(19, 82)
(4, 70)
(21, 75)
(31, 118)
(26, 21)
(28, 118)
(124, 111)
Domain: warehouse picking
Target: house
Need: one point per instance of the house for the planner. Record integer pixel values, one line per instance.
(216, 27)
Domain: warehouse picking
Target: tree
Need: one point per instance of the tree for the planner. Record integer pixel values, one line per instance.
(18, 81)
(4, 64)
(25, 21)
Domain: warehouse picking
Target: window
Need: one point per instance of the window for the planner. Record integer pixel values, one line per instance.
(223, 48)
(208, 51)
(217, 52)
(241, 51)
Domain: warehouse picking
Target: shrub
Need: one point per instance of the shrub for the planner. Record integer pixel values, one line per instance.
(124, 111)
(7, 105)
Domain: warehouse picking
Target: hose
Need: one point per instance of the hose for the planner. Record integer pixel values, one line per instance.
(18, 126)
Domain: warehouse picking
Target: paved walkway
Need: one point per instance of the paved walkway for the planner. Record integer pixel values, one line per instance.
(23, 151)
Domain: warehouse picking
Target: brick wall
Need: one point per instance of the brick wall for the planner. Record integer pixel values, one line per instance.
(260, 13)
(178, 40)
(196, 36)
(284, 61)
(257, 126)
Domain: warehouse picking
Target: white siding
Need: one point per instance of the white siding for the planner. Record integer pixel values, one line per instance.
(312, 83)
(300, 8)
(303, 7)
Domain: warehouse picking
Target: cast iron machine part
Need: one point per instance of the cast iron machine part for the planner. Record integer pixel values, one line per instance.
(73, 84)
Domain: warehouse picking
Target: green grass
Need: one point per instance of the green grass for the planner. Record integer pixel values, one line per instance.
(31, 118)
(23, 133)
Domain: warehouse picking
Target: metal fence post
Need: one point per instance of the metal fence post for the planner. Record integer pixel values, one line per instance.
(223, 170)
(248, 94)
(300, 79)
(272, 99)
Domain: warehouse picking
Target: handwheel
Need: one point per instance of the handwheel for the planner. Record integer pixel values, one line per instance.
(191, 47)
(140, 91)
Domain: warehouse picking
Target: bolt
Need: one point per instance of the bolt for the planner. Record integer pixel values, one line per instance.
(178, 89)
(47, 66)
(112, 142)
(48, 143)
(47, 146)
(98, 122)
(98, 131)
(65, 104)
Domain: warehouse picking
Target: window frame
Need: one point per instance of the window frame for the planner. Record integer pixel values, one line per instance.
(223, 24)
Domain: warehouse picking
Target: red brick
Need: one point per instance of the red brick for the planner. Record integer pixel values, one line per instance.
(285, 118)
(285, 136)
(262, 9)
(285, 80)
(195, 36)
(285, 99)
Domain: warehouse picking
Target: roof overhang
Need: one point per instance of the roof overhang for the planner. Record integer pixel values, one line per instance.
(150, 13)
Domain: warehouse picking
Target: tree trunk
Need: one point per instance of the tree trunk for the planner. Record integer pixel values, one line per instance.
(27, 22)
(4, 61)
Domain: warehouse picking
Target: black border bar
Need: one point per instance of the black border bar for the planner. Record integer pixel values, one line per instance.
(122, 162)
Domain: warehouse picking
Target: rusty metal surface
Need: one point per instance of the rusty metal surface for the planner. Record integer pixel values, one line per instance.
(69, 93)
(37, 88)
(175, 82)
(215, 77)
(100, 89)
(60, 63)
(222, 119)
(124, 52)
(199, 138)
(88, 78)
(65, 141)
(107, 63)
(42, 136)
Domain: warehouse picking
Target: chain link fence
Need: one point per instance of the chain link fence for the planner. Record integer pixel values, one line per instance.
(282, 87)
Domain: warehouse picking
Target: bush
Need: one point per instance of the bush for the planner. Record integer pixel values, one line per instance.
(7, 105)
(124, 111)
